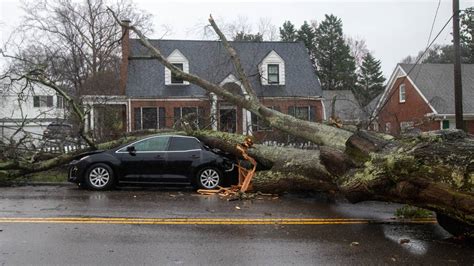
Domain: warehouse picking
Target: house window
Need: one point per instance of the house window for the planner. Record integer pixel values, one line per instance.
(259, 124)
(273, 74)
(445, 124)
(174, 78)
(406, 126)
(190, 112)
(307, 113)
(42, 101)
(149, 118)
(388, 127)
(60, 102)
(402, 93)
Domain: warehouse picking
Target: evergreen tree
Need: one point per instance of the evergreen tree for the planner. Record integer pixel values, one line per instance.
(306, 34)
(370, 80)
(242, 36)
(467, 33)
(336, 66)
(288, 32)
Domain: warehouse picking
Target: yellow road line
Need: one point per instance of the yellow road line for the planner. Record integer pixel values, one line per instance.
(204, 221)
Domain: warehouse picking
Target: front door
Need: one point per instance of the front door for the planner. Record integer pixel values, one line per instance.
(228, 120)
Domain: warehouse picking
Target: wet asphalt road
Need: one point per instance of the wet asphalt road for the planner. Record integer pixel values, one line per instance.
(71, 227)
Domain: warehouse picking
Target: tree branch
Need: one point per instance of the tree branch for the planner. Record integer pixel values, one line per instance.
(235, 60)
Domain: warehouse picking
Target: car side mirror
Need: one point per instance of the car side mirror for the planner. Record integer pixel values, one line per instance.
(131, 150)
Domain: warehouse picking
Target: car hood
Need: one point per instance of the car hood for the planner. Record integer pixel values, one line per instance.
(77, 157)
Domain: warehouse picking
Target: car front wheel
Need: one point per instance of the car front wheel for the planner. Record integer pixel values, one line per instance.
(209, 178)
(100, 177)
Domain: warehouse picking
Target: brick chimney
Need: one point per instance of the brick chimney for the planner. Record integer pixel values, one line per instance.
(125, 54)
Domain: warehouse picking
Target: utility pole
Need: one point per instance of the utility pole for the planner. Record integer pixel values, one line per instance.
(457, 68)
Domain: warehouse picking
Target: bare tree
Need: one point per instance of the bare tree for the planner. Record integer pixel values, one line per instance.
(76, 40)
(73, 45)
(268, 30)
(358, 49)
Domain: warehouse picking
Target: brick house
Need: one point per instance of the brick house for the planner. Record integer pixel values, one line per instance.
(280, 72)
(424, 99)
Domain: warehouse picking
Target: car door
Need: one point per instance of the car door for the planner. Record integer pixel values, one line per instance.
(147, 162)
(183, 154)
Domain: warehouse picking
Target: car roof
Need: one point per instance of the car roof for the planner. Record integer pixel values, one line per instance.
(153, 136)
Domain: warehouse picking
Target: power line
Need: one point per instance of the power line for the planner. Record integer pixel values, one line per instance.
(434, 20)
(385, 100)
(429, 37)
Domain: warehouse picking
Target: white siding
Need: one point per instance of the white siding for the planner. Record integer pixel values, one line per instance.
(176, 57)
(14, 109)
(272, 58)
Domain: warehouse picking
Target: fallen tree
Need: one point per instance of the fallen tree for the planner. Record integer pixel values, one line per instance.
(434, 170)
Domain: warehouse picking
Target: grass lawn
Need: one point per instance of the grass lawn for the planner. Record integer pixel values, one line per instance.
(53, 175)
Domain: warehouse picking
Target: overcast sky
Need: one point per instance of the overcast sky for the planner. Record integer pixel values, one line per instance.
(392, 29)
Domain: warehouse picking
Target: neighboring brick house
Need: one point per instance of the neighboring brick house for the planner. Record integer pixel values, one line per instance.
(423, 99)
(280, 72)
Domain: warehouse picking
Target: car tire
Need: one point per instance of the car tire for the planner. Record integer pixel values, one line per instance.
(100, 176)
(208, 178)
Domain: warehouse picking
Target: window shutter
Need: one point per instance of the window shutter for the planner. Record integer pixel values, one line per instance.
(138, 118)
(36, 101)
(162, 117)
(177, 114)
(312, 113)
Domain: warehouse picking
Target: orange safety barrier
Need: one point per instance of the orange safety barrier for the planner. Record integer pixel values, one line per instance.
(246, 175)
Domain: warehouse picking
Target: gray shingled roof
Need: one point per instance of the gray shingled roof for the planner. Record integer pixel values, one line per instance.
(436, 82)
(346, 105)
(210, 60)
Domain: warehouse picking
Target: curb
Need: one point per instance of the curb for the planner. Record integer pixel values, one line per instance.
(42, 184)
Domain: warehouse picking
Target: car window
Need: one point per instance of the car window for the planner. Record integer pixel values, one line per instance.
(152, 144)
(184, 144)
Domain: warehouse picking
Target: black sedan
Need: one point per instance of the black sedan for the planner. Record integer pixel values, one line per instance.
(157, 159)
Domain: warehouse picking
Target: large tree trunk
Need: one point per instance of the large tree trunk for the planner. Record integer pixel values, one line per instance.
(434, 171)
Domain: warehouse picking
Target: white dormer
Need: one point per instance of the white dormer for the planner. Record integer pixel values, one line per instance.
(179, 60)
(229, 79)
(232, 79)
(272, 69)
